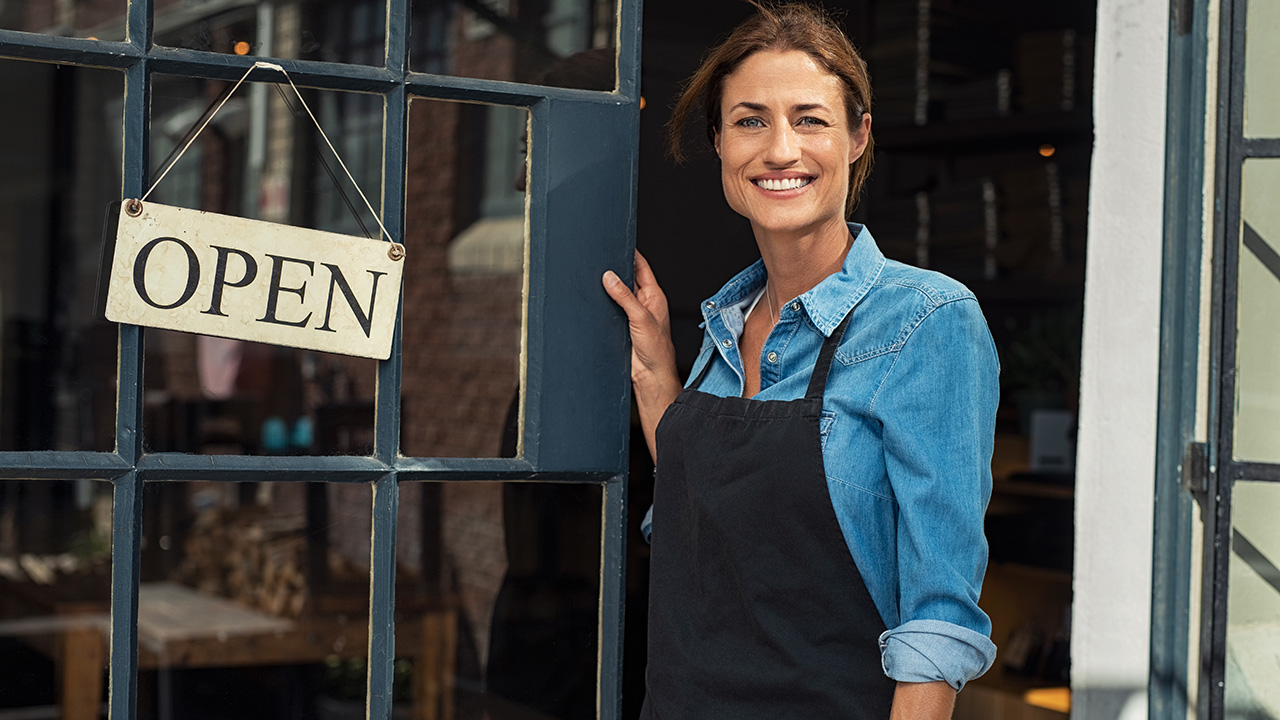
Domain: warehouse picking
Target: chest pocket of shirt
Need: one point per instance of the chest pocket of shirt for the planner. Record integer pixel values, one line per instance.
(825, 424)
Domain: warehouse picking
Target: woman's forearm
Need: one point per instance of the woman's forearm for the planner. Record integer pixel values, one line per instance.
(654, 392)
(923, 701)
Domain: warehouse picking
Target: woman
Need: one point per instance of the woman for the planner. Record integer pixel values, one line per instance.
(821, 483)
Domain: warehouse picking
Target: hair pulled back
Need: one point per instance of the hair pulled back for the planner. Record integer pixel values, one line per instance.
(779, 27)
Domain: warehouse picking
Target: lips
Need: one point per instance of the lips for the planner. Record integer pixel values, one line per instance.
(776, 184)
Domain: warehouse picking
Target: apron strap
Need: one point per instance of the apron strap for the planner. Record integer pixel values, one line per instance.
(818, 381)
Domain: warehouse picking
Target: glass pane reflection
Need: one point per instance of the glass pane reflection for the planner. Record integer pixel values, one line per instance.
(55, 597)
(1262, 54)
(254, 598)
(499, 583)
(350, 31)
(564, 43)
(98, 19)
(59, 168)
(261, 157)
(1253, 602)
(1257, 422)
(465, 241)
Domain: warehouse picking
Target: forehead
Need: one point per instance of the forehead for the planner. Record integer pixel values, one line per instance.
(783, 79)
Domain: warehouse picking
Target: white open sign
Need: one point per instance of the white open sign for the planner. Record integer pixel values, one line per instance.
(201, 272)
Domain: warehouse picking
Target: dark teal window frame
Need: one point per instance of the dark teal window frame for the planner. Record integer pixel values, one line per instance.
(1233, 148)
(576, 387)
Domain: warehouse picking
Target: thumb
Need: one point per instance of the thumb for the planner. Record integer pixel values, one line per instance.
(622, 294)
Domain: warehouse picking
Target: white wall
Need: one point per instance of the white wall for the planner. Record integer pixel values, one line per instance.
(1115, 465)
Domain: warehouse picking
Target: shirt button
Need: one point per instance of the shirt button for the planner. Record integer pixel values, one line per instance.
(710, 305)
(773, 357)
(727, 343)
(794, 306)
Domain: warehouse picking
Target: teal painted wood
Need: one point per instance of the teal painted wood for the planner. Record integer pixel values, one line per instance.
(580, 412)
(612, 595)
(55, 465)
(1180, 334)
(382, 597)
(126, 554)
(387, 416)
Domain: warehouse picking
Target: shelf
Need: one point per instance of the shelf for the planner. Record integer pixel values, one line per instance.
(996, 131)
(1023, 290)
(1030, 488)
(1009, 569)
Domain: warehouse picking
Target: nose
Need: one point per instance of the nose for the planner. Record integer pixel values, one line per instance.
(784, 146)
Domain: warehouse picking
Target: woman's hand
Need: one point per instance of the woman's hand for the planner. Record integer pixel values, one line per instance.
(653, 357)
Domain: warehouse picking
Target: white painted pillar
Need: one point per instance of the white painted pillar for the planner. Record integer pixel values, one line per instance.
(1115, 466)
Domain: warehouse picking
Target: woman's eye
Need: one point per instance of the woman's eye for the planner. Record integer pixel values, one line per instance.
(810, 120)
(750, 122)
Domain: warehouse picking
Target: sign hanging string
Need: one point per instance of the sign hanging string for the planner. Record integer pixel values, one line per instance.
(208, 118)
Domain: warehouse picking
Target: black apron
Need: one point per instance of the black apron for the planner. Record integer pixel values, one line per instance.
(756, 607)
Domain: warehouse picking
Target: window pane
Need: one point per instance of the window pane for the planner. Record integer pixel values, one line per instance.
(350, 31)
(59, 169)
(1253, 602)
(1257, 422)
(261, 157)
(254, 598)
(497, 600)
(55, 597)
(565, 43)
(99, 19)
(465, 249)
(1262, 56)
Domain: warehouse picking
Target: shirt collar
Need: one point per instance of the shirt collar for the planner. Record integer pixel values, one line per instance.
(826, 303)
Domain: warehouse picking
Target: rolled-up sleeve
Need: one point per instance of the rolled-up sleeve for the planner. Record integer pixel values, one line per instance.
(932, 650)
(937, 406)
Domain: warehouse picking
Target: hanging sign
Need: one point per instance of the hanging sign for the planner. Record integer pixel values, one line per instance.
(195, 271)
(233, 277)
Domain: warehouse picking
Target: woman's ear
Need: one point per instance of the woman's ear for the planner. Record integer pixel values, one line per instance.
(860, 137)
(716, 142)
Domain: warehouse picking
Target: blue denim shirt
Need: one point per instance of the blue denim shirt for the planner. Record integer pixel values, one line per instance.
(907, 429)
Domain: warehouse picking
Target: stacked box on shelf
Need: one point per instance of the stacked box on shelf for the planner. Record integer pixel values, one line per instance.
(930, 53)
(1032, 233)
(988, 96)
(1047, 65)
(895, 223)
(962, 237)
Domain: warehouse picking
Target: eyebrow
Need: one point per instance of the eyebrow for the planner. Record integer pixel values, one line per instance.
(759, 107)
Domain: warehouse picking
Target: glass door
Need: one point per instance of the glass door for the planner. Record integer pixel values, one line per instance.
(202, 527)
(1240, 626)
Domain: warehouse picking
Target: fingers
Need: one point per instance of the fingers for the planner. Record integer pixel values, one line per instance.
(621, 294)
(644, 273)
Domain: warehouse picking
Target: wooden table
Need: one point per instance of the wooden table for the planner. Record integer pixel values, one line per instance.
(179, 627)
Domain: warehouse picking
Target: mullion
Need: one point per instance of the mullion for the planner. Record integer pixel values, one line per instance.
(1251, 471)
(501, 92)
(78, 51)
(382, 592)
(1235, 14)
(126, 557)
(139, 23)
(61, 465)
(613, 572)
(1261, 147)
(387, 418)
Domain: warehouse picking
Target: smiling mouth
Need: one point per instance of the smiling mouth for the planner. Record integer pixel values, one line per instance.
(786, 184)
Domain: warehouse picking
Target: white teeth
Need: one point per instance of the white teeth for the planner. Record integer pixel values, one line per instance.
(788, 184)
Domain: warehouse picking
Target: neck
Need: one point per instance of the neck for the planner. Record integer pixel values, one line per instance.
(796, 262)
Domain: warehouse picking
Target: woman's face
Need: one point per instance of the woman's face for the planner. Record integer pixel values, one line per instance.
(785, 143)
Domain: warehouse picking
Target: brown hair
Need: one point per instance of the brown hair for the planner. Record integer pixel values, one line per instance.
(785, 26)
